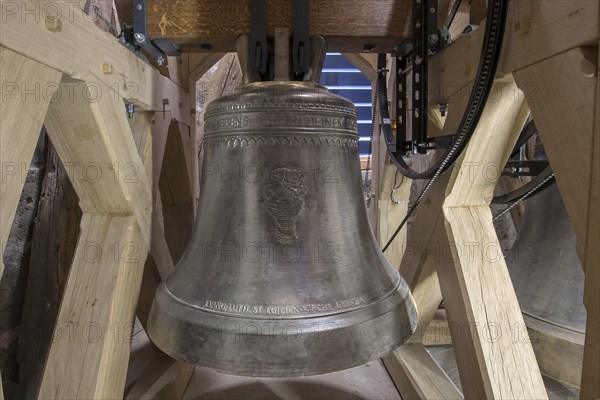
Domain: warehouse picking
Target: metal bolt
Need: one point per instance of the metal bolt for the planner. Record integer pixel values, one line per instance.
(443, 109)
(139, 37)
(368, 47)
(433, 38)
(160, 60)
(432, 10)
(418, 60)
(139, 7)
(130, 110)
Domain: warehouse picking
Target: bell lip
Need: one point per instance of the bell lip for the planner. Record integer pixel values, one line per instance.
(366, 334)
(284, 317)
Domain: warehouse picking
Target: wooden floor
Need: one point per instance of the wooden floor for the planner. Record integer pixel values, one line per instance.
(369, 381)
(444, 355)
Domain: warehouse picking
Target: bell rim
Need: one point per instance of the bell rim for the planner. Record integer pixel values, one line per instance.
(374, 334)
(397, 287)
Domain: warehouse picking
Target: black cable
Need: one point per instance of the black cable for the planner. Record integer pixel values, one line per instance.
(486, 72)
(453, 12)
(534, 186)
(405, 220)
(542, 181)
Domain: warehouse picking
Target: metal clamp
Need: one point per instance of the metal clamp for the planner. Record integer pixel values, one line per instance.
(158, 48)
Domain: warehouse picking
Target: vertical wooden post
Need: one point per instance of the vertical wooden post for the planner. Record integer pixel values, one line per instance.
(27, 88)
(590, 384)
(563, 97)
(88, 358)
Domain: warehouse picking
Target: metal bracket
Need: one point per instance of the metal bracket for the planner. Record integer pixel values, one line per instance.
(158, 48)
(401, 106)
(167, 46)
(257, 45)
(420, 56)
(301, 44)
(427, 39)
(516, 169)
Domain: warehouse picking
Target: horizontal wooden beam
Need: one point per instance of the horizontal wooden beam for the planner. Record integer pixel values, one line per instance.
(81, 50)
(347, 25)
(535, 30)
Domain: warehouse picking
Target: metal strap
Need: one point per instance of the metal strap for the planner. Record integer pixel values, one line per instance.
(301, 44)
(257, 45)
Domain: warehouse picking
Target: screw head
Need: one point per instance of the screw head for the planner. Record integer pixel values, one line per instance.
(160, 60)
(432, 10)
(139, 37)
(433, 38)
(139, 7)
(130, 110)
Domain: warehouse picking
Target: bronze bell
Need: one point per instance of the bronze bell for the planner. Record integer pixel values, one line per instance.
(282, 276)
(549, 280)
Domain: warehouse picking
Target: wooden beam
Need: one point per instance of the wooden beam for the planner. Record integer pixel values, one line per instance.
(413, 370)
(476, 287)
(174, 183)
(367, 63)
(473, 285)
(94, 142)
(418, 376)
(88, 358)
(88, 49)
(199, 64)
(590, 384)
(564, 114)
(27, 89)
(164, 378)
(141, 130)
(565, 108)
(191, 23)
(392, 202)
(535, 30)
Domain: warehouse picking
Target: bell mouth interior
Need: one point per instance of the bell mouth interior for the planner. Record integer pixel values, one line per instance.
(281, 348)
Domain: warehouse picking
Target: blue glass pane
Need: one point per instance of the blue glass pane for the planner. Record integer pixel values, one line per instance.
(344, 79)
